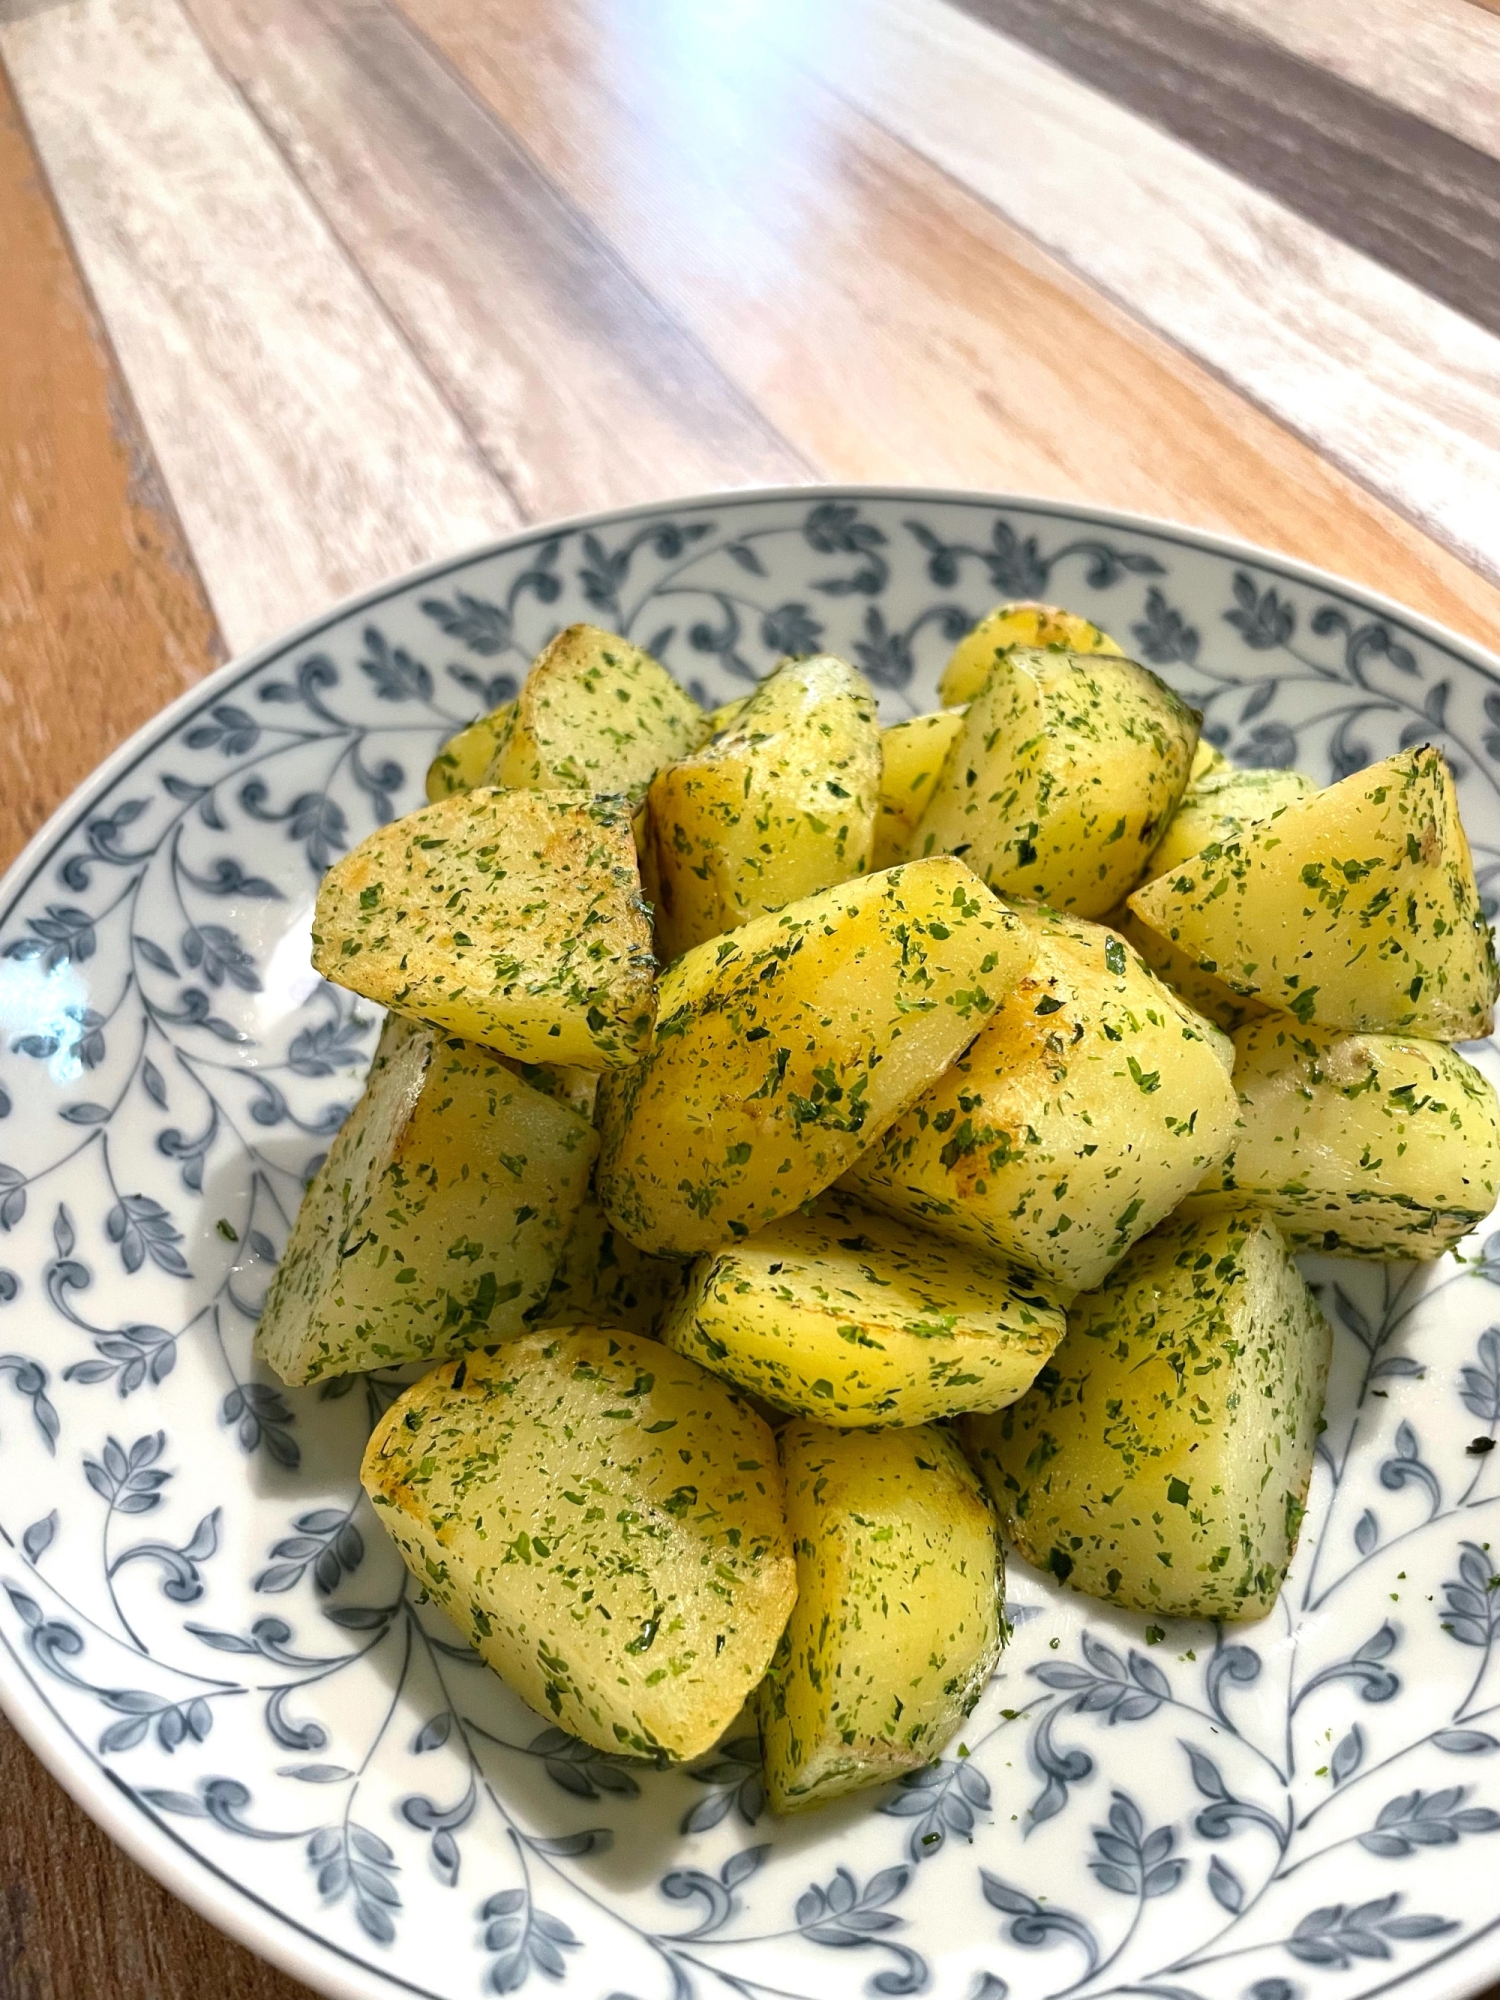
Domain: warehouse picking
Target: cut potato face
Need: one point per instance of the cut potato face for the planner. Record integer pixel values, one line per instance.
(1220, 808)
(896, 1627)
(783, 1046)
(1206, 995)
(437, 1220)
(1162, 1460)
(773, 808)
(1085, 1110)
(463, 760)
(1355, 908)
(912, 757)
(725, 714)
(1067, 769)
(603, 1280)
(1361, 1145)
(857, 1319)
(595, 714)
(513, 919)
(1207, 760)
(604, 1522)
(1009, 626)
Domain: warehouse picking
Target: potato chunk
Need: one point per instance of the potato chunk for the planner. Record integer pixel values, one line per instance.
(1068, 767)
(775, 807)
(604, 1522)
(463, 760)
(857, 1319)
(1009, 626)
(912, 757)
(896, 1628)
(603, 1280)
(1361, 1145)
(1090, 1104)
(1220, 807)
(1355, 908)
(511, 918)
(595, 714)
(437, 1220)
(1162, 1460)
(1207, 760)
(783, 1046)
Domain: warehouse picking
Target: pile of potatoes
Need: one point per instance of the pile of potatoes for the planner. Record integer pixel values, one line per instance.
(800, 1144)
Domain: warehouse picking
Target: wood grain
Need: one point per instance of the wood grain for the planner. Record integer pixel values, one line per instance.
(885, 317)
(307, 451)
(102, 615)
(579, 388)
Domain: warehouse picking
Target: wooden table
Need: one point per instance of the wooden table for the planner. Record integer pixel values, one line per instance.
(297, 293)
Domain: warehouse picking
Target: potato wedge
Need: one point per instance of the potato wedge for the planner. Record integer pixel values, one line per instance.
(1067, 769)
(912, 757)
(596, 714)
(604, 1521)
(727, 713)
(782, 1047)
(1361, 1145)
(1207, 760)
(1207, 996)
(1220, 807)
(1355, 908)
(896, 1627)
(511, 918)
(777, 806)
(855, 1319)
(1008, 626)
(437, 1220)
(1162, 1460)
(603, 1280)
(1085, 1110)
(463, 760)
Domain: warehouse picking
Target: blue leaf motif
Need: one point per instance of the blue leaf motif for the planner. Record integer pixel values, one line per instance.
(1033, 1924)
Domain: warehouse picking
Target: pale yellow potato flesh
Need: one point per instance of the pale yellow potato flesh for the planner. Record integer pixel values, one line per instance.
(604, 1522)
(854, 1318)
(1207, 759)
(1088, 1106)
(1219, 807)
(1162, 1460)
(511, 918)
(1206, 995)
(1355, 908)
(1065, 773)
(783, 1046)
(912, 757)
(775, 807)
(1378, 1146)
(603, 1280)
(438, 1219)
(896, 1628)
(1024, 623)
(463, 760)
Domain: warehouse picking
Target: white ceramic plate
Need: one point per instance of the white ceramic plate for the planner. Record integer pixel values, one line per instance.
(213, 1646)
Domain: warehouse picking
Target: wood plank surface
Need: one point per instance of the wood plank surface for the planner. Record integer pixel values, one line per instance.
(307, 451)
(915, 336)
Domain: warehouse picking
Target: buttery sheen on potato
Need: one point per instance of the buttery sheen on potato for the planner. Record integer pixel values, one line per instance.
(511, 918)
(603, 1521)
(1009, 626)
(1355, 908)
(912, 757)
(463, 760)
(896, 1627)
(782, 1047)
(1361, 1145)
(1065, 773)
(1087, 1107)
(776, 806)
(437, 1220)
(1162, 1459)
(857, 1319)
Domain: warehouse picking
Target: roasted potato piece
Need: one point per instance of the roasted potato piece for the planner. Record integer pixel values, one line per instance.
(857, 1319)
(896, 1627)
(1361, 1145)
(912, 757)
(784, 1046)
(1355, 908)
(437, 1220)
(1207, 761)
(511, 918)
(1003, 629)
(773, 808)
(1220, 807)
(603, 1280)
(725, 714)
(596, 714)
(1206, 995)
(1162, 1459)
(1068, 767)
(463, 760)
(604, 1521)
(1088, 1106)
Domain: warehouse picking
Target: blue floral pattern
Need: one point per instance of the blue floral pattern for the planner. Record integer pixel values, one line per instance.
(249, 1677)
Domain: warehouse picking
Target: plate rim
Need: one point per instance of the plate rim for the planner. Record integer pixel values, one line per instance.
(274, 1934)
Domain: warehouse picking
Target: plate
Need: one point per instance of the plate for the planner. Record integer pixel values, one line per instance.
(212, 1645)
